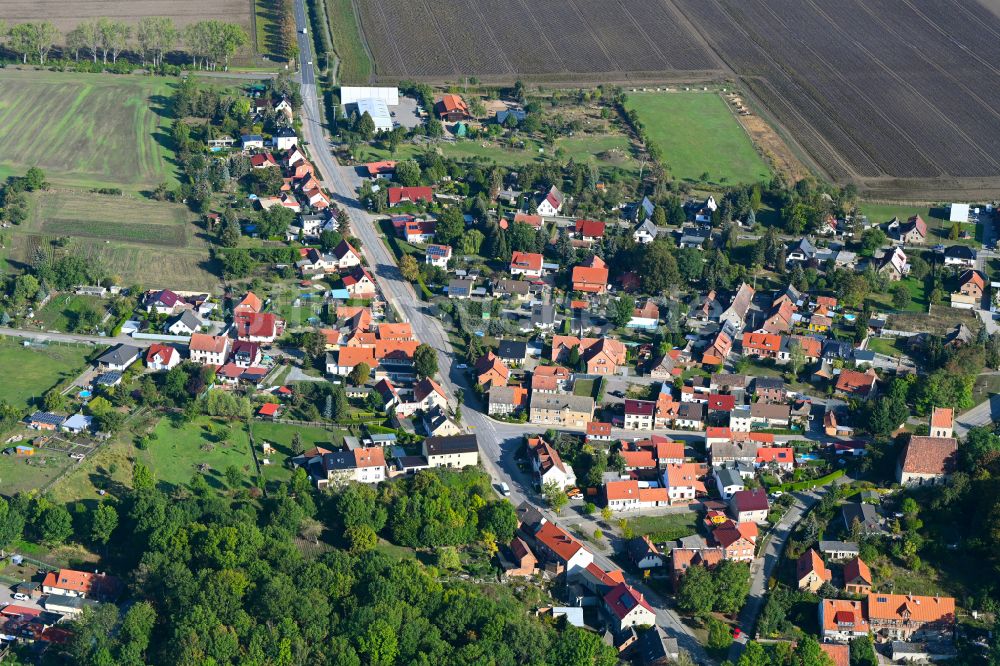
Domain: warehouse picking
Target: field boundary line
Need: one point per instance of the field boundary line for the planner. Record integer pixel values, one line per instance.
(364, 39)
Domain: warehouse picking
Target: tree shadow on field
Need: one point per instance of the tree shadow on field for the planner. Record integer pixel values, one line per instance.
(161, 106)
(166, 141)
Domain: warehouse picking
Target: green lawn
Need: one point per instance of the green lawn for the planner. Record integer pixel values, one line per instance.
(86, 130)
(698, 134)
(178, 451)
(31, 371)
(355, 65)
(885, 346)
(61, 312)
(584, 387)
(23, 473)
(666, 528)
(918, 296)
(280, 435)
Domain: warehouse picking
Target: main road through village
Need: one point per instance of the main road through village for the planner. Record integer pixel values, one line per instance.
(498, 441)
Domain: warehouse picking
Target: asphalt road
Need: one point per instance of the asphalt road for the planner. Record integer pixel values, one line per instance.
(498, 441)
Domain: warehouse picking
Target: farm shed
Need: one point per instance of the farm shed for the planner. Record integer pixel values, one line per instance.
(379, 112)
(959, 213)
(354, 94)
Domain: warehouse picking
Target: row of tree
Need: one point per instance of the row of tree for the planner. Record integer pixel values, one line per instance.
(209, 42)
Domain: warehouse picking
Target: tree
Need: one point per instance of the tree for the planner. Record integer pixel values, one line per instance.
(719, 636)
(425, 361)
(754, 655)
(606, 513)
(408, 173)
(103, 523)
(955, 231)
(554, 496)
(900, 296)
(732, 585)
(365, 126)
(359, 375)
(697, 593)
(114, 37)
(234, 477)
(409, 268)
(863, 652)
(341, 407)
(447, 558)
(55, 526)
(450, 226)
(379, 643)
(155, 35)
(45, 36)
(871, 240)
(11, 524)
(809, 653)
(361, 538)
(22, 39)
(658, 267)
(620, 310)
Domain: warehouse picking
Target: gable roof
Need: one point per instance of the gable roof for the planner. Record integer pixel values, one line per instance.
(750, 500)
(119, 355)
(250, 302)
(929, 455)
(160, 353)
(899, 607)
(436, 446)
(590, 228)
(811, 562)
(852, 381)
(942, 417)
(857, 571)
(558, 541)
(531, 261)
(623, 599)
(840, 655)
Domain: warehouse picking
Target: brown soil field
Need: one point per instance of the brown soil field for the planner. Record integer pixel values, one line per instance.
(67, 14)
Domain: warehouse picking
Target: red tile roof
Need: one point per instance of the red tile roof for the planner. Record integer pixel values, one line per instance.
(160, 353)
(775, 454)
(929, 455)
(208, 343)
(809, 562)
(722, 403)
(598, 429)
(942, 417)
(590, 228)
(897, 607)
(589, 279)
(840, 655)
(400, 194)
(623, 599)
(558, 540)
(852, 381)
(750, 500)
(857, 571)
(530, 261)
(269, 409)
(640, 407)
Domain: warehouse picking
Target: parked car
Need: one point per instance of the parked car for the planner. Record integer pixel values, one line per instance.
(504, 489)
(20, 596)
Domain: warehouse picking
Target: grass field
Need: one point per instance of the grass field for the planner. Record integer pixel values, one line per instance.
(606, 151)
(355, 65)
(37, 369)
(178, 451)
(88, 130)
(61, 311)
(125, 236)
(23, 473)
(666, 528)
(697, 133)
(280, 435)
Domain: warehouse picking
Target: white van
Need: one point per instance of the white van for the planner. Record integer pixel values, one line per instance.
(504, 489)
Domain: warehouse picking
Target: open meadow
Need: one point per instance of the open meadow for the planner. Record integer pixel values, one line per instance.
(125, 236)
(37, 369)
(697, 134)
(86, 130)
(182, 450)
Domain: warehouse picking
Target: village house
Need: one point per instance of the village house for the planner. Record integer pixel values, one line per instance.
(683, 558)
(854, 384)
(761, 345)
(639, 414)
(736, 314)
(559, 547)
(602, 356)
(592, 277)
(573, 411)
(893, 265)
(518, 559)
(589, 230)
(506, 400)
(598, 432)
(399, 195)
(737, 540)
(550, 203)
(457, 451)
(780, 457)
(811, 572)
(246, 354)
(770, 414)
(840, 620)
(337, 468)
(526, 263)
(259, 327)
(71, 583)
(630, 496)
(911, 232)
(548, 466)
(490, 371)
(839, 550)
(961, 256)
(183, 324)
(749, 506)
(437, 423)
(908, 617)
(643, 553)
(682, 482)
(209, 349)
(857, 577)
(437, 255)
(628, 608)
(118, 358)
(452, 108)
(162, 357)
(690, 415)
(551, 379)
(971, 287)
(728, 481)
(359, 283)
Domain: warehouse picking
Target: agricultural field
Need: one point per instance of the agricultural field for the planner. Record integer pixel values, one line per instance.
(355, 65)
(39, 368)
(123, 235)
(698, 134)
(86, 130)
(508, 39)
(67, 15)
(903, 109)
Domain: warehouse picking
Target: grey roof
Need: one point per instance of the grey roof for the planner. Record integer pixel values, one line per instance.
(502, 395)
(733, 450)
(576, 403)
(108, 378)
(865, 513)
(519, 287)
(837, 349)
(339, 460)
(691, 410)
(654, 647)
(769, 410)
(285, 132)
(960, 252)
(839, 546)
(648, 226)
(460, 287)
(733, 381)
(647, 206)
(768, 383)
(516, 349)
(188, 318)
(119, 355)
(804, 246)
(692, 541)
(543, 314)
(78, 422)
(436, 446)
(728, 476)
